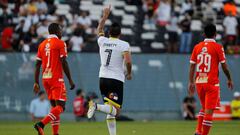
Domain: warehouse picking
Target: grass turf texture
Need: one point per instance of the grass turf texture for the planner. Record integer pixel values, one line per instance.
(124, 128)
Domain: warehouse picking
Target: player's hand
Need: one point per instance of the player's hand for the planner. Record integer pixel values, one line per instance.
(191, 88)
(129, 76)
(106, 12)
(36, 88)
(72, 85)
(230, 84)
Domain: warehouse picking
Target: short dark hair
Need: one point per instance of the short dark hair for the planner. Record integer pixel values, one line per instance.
(54, 28)
(41, 93)
(79, 91)
(115, 30)
(210, 30)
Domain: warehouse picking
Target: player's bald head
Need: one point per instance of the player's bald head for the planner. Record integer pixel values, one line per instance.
(210, 31)
(56, 29)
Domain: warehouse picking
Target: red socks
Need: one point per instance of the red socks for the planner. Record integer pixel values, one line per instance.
(55, 126)
(207, 123)
(200, 121)
(54, 115)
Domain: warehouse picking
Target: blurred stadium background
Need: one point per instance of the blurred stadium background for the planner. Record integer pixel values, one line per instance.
(160, 69)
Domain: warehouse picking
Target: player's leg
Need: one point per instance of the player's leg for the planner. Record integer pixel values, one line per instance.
(39, 126)
(112, 92)
(55, 123)
(199, 122)
(105, 87)
(115, 99)
(201, 95)
(212, 97)
(58, 94)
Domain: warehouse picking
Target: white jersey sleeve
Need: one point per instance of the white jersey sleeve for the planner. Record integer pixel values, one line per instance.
(126, 47)
(101, 40)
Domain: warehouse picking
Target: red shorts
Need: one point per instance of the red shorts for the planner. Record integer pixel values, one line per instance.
(209, 96)
(55, 90)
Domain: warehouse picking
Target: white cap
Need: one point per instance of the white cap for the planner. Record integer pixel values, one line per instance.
(236, 94)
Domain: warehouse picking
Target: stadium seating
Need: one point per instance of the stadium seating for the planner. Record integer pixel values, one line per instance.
(139, 34)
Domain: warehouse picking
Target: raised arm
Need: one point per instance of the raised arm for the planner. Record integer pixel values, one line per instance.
(106, 12)
(67, 72)
(228, 75)
(36, 87)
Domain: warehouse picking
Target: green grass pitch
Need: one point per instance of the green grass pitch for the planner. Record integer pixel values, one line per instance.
(124, 128)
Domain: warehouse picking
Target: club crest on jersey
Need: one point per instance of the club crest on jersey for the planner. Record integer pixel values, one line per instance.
(204, 50)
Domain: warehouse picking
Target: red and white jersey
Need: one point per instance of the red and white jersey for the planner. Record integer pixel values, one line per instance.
(50, 52)
(207, 55)
(78, 106)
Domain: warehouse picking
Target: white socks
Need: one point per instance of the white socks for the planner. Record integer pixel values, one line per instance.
(111, 123)
(111, 112)
(108, 109)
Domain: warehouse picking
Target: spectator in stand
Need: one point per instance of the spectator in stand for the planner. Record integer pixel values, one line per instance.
(230, 27)
(187, 7)
(84, 20)
(209, 15)
(189, 107)
(149, 7)
(173, 37)
(230, 6)
(186, 36)
(32, 7)
(163, 13)
(42, 30)
(74, 4)
(235, 105)
(76, 42)
(42, 6)
(30, 38)
(30, 20)
(5, 18)
(62, 20)
(19, 34)
(51, 6)
(79, 106)
(7, 38)
(3, 3)
(39, 107)
(18, 4)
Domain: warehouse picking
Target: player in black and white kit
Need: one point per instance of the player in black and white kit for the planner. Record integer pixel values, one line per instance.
(115, 56)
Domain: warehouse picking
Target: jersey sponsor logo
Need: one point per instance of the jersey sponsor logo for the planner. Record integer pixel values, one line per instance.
(202, 78)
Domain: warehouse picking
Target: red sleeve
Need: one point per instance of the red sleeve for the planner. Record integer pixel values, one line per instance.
(39, 56)
(63, 49)
(193, 59)
(221, 54)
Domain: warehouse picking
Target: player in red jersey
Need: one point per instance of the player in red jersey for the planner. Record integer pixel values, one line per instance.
(51, 56)
(205, 60)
